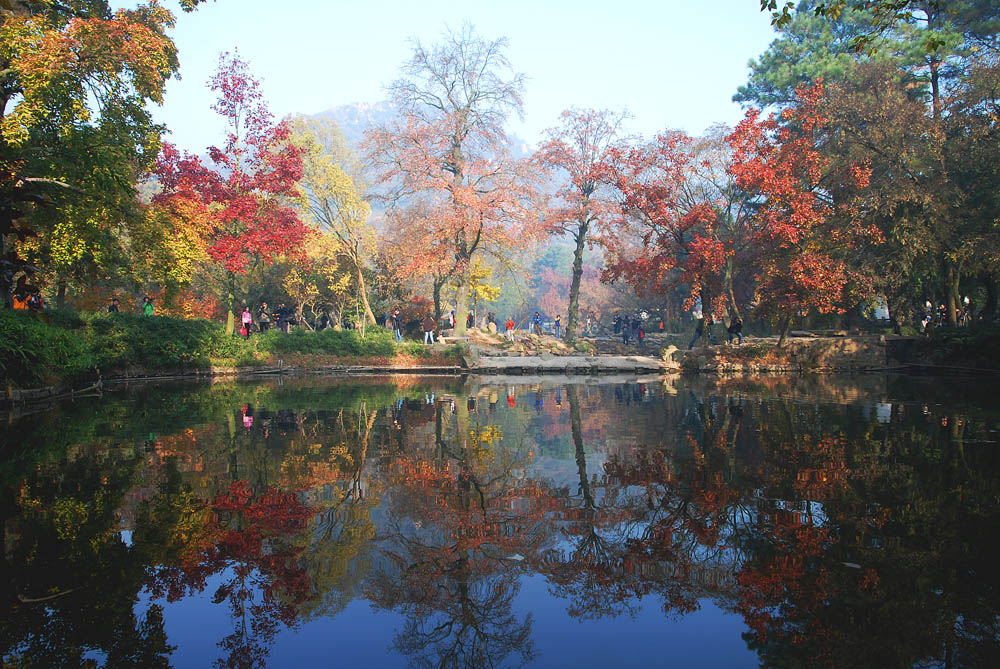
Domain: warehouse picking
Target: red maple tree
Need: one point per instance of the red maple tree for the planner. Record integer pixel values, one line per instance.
(243, 197)
(803, 232)
(660, 241)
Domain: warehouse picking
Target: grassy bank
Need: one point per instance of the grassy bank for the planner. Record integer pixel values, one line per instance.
(63, 347)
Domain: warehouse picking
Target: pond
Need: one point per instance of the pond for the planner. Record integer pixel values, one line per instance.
(419, 521)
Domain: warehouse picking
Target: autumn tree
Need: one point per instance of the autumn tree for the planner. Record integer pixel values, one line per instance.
(661, 240)
(247, 196)
(581, 150)
(330, 178)
(75, 130)
(806, 226)
(449, 149)
(922, 56)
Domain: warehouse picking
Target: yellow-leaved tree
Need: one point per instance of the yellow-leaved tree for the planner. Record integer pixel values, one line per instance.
(333, 186)
(480, 287)
(323, 280)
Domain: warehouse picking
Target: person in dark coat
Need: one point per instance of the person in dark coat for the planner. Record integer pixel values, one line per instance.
(700, 329)
(429, 326)
(264, 317)
(397, 326)
(735, 329)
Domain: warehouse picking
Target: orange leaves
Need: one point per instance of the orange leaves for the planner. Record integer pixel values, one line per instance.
(802, 242)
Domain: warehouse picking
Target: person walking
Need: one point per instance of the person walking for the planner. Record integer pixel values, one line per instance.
(397, 326)
(699, 330)
(536, 322)
(429, 326)
(451, 319)
(509, 327)
(264, 318)
(280, 317)
(247, 321)
(147, 306)
(113, 307)
(558, 325)
(735, 329)
(634, 326)
(626, 330)
(641, 336)
(617, 323)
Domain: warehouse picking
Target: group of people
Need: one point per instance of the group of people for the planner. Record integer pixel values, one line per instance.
(631, 329)
(704, 327)
(937, 319)
(283, 317)
(394, 321)
(29, 301)
(147, 306)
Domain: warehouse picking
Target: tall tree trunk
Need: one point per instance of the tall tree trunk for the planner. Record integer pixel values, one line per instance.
(784, 330)
(61, 294)
(573, 315)
(951, 278)
(576, 427)
(438, 285)
(706, 313)
(462, 298)
(6, 299)
(231, 304)
(990, 308)
(729, 290)
(363, 293)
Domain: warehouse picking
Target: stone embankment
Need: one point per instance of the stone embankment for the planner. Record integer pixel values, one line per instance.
(805, 353)
(530, 354)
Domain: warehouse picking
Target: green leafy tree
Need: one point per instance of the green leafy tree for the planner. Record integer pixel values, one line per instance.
(75, 82)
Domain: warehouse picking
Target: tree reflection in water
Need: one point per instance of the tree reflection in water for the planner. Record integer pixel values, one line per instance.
(842, 534)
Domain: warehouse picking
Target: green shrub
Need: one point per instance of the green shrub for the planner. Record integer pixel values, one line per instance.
(122, 340)
(33, 351)
(416, 349)
(974, 346)
(376, 342)
(61, 345)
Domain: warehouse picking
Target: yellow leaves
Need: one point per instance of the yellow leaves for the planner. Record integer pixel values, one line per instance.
(68, 516)
(331, 181)
(479, 282)
(58, 67)
(487, 435)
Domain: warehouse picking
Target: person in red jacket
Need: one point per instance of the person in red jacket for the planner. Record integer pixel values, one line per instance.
(509, 327)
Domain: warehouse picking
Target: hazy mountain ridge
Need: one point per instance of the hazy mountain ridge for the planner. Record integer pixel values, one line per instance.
(356, 118)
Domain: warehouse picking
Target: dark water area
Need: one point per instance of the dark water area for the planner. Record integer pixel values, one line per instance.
(782, 521)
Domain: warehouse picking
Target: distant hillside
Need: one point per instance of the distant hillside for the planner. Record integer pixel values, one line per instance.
(355, 118)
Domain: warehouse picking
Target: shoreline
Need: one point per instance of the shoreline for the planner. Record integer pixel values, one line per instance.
(526, 369)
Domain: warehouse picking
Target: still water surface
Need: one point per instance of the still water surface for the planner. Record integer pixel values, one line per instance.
(447, 522)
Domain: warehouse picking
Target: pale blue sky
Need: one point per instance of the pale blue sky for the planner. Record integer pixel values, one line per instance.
(671, 63)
